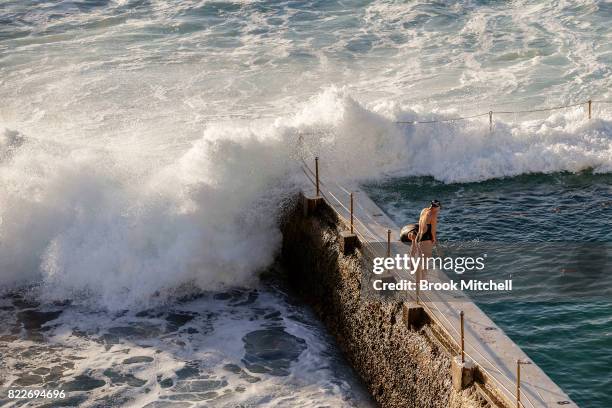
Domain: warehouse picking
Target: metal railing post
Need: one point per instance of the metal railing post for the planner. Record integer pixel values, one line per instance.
(490, 121)
(518, 383)
(462, 339)
(317, 175)
(388, 243)
(351, 213)
(418, 284)
(590, 105)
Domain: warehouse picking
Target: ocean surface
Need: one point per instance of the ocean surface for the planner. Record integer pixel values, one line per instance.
(148, 148)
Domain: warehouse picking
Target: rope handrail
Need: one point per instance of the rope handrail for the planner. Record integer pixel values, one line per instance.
(373, 235)
(363, 239)
(374, 220)
(429, 300)
(441, 120)
(356, 218)
(458, 334)
(448, 334)
(543, 109)
(453, 340)
(343, 206)
(367, 230)
(490, 113)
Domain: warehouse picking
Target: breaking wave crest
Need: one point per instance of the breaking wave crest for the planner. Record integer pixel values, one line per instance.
(100, 224)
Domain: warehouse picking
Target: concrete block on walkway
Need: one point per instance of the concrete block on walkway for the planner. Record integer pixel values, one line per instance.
(462, 374)
(348, 242)
(311, 204)
(412, 315)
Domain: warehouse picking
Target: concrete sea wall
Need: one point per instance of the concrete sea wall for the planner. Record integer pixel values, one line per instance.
(401, 367)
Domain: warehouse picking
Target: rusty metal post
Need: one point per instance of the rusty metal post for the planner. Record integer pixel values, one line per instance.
(518, 383)
(388, 243)
(351, 213)
(418, 288)
(490, 121)
(462, 339)
(418, 284)
(590, 105)
(317, 174)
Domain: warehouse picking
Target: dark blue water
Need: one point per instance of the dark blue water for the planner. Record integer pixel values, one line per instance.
(552, 234)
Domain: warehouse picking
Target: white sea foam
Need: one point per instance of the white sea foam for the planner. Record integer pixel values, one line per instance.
(88, 342)
(134, 164)
(126, 231)
(150, 146)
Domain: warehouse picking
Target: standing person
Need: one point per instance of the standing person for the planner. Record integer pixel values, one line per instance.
(424, 238)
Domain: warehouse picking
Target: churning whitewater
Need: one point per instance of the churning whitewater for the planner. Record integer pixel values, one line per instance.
(148, 149)
(127, 230)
